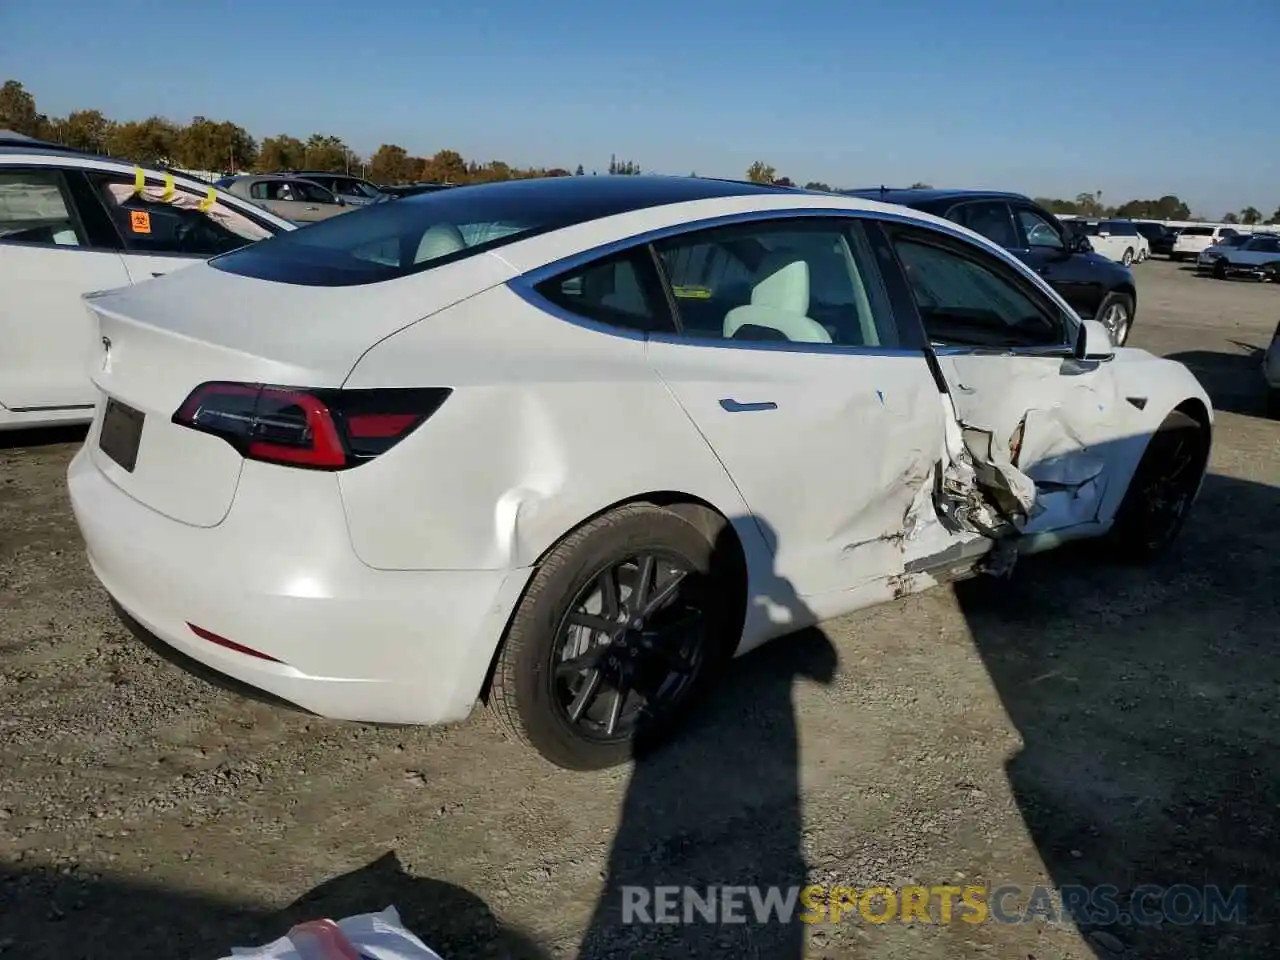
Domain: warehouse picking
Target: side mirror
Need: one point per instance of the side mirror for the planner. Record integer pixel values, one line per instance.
(1094, 342)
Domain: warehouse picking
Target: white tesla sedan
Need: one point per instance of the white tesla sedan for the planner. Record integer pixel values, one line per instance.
(567, 445)
(72, 223)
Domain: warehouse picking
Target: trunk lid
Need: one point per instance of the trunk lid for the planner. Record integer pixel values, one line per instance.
(156, 342)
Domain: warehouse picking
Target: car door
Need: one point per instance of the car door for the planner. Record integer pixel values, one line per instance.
(1027, 408)
(1046, 248)
(163, 228)
(50, 254)
(315, 202)
(1257, 252)
(826, 416)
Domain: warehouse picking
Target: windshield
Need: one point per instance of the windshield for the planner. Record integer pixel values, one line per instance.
(360, 188)
(1235, 240)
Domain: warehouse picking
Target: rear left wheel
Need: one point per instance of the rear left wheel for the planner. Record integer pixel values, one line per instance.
(1220, 269)
(617, 637)
(1127, 259)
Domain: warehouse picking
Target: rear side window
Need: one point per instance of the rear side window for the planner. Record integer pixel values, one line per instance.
(621, 291)
(991, 219)
(1197, 232)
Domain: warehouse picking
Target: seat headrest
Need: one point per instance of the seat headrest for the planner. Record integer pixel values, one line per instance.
(782, 282)
(440, 240)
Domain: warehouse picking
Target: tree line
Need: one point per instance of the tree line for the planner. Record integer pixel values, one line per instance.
(1168, 207)
(223, 146)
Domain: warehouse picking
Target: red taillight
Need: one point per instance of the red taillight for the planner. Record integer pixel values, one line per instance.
(319, 429)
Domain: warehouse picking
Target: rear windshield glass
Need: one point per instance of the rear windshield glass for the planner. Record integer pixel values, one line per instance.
(384, 241)
(1197, 232)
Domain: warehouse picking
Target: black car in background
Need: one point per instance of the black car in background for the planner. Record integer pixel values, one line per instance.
(1159, 237)
(1094, 286)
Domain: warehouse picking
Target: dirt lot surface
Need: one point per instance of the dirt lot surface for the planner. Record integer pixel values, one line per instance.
(1082, 724)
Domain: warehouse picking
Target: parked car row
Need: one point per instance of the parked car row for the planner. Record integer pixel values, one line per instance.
(1241, 254)
(72, 223)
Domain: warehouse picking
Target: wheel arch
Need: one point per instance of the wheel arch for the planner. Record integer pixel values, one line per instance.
(714, 523)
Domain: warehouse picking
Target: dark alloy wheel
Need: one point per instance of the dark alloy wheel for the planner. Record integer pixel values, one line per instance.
(616, 638)
(1159, 497)
(628, 648)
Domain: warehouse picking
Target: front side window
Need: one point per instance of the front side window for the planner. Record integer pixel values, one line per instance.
(34, 208)
(621, 291)
(962, 301)
(1264, 245)
(803, 282)
(156, 221)
(990, 219)
(1040, 232)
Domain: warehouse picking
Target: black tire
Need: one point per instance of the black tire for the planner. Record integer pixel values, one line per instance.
(1273, 403)
(1172, 466)
(1127, 258)
(1123, 302)
(526, 694)
(1220, 269)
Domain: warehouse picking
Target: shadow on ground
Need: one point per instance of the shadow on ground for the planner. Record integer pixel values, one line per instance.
(41, 437)
(1233, 379)
(1147, 702)
(49, 914)
(719, 805)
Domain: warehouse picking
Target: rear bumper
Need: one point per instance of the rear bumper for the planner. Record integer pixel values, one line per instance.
(280, 577)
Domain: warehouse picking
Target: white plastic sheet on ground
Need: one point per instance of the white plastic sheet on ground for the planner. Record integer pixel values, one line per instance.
(367, 936)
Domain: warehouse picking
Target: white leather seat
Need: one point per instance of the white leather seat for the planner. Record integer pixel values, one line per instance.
(779, 301)
(439, 241)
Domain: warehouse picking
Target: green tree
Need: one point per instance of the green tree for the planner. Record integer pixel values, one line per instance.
(922, 186)
(579, 172)
(626, 168)
(280, 153)
(1275, 217)
(447, 166)
(18, 111)
(391, 163)
(327, 153)
(206, 144)
(1251, 215)
(152, 141)
(83, 130)
(1230, 218)
(761, 172)
(817, 185)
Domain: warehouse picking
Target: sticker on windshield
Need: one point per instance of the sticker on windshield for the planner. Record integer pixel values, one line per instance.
(140, 221)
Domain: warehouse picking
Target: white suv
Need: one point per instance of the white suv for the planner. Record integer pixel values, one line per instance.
(1192, 241)
(72, 223)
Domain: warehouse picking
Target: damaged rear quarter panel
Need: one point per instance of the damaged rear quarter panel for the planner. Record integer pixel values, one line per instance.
(549, 424)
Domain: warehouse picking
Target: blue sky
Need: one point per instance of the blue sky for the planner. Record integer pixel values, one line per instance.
(1135, 98)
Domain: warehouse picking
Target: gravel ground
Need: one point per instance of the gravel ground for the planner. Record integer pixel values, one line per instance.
(1082, 724)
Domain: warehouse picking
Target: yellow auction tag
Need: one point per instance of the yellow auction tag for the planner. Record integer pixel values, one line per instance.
(168, 187)
(210, 199)
(139, 180)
